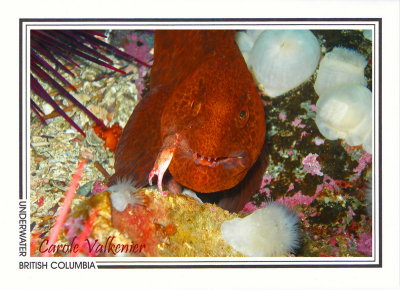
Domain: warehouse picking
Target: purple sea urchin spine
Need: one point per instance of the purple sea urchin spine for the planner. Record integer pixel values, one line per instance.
(47, 45)
(38, 89)
(65, 93)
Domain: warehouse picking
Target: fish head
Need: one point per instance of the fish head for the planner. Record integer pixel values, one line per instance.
(218, 119)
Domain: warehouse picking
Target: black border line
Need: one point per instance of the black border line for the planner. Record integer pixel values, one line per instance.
(380, 141)
(20, 113)
(226, 266)
(339, 260)
(185, 21)
(27, 90)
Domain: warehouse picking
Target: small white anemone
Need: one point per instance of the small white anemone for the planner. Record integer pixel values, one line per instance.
(341, 66)
(124, 192)
(281, 60)
(346, 113)
(192, 194)
(267, 232)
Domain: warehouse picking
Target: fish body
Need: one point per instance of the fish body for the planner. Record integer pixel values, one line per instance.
(202, 120)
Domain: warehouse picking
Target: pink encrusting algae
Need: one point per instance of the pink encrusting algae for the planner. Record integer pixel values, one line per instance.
(296, 199)
(364, 244)
(98, 186)
(311, 164)
(318, 141)
(263, 189)
(297, 123)
(137, 46)
(266, 181)
(328, 183)
(251, 207)
(303, 134)
(363, 162)
(313, 108)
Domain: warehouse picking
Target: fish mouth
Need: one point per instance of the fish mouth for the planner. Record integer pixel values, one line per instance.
(206, 171)
(236, 159)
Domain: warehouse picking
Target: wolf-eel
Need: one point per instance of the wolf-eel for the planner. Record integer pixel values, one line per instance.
(202, 119)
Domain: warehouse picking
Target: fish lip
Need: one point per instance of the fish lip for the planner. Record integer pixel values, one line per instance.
(235, 159)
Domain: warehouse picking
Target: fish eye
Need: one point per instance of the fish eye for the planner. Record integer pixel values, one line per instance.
(243, 117)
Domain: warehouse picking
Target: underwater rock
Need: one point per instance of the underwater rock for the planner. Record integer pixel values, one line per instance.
(175, 225)
(332, 209)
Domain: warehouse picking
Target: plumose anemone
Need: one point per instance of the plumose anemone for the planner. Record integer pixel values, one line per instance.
(341, 66)
(280, 60)
(269, 231)
(346, 113)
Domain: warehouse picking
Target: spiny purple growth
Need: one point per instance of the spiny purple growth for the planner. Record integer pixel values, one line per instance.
(38, 89)
(48, 47)
(35, 108)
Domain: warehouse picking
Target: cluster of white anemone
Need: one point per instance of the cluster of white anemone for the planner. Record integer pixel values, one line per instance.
(281, 60)
(344, 107)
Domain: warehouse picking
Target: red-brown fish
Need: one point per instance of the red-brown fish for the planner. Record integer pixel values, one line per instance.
(202, 120)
